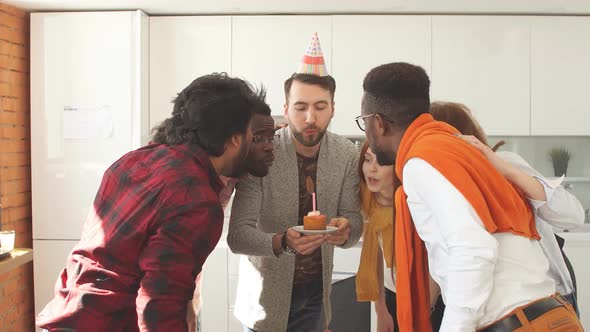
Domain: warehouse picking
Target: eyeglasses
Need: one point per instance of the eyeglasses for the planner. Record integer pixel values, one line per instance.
(360, 123)
(262, 140)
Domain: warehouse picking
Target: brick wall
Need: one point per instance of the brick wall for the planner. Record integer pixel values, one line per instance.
(16, 287)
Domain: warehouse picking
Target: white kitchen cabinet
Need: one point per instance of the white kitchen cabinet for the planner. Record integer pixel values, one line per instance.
(484, 63)
(232, 288)
(560, 67)
(234, 324)
(182, 49)
(214, 290)
(49, 257)
(87, 110)
(233, 265)
(267, 49)
(232, 285)
(577, 247)
(346, 261)
(361, 43)
(89, 106)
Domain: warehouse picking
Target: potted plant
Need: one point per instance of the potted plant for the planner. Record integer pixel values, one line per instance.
(560, 158)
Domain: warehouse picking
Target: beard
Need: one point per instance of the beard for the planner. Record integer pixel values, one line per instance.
(240, 162)
(312, 140)
(257, 168)
(258, 171)
(383, 158)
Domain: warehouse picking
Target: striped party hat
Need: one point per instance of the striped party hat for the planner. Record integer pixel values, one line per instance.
(313, 60)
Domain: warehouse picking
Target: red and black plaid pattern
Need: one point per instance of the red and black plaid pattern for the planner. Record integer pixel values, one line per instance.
(155, 219)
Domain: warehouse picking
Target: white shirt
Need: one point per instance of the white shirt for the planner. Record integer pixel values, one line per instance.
(482, 276)
(561, 210)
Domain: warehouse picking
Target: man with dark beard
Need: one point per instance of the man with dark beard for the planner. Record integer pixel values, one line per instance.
(157, 216)
(285, 278)
(260, 158)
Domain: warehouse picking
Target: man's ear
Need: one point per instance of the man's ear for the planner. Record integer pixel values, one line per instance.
(382, 126)
(235, 141)
(286, 111)
(333, 109)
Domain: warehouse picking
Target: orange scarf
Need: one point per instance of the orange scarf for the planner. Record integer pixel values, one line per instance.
(497, 203)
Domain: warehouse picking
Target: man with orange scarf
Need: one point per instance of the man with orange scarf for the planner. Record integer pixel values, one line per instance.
(457, 218)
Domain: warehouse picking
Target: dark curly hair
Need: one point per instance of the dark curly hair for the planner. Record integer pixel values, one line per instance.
(398, 91)
(209, 111)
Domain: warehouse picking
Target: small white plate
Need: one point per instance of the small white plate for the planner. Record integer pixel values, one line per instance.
(328, 230)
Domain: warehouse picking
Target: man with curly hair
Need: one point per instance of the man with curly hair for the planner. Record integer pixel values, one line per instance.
(157, 216)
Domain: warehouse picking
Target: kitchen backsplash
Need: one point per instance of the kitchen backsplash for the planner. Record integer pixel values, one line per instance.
(535, 149)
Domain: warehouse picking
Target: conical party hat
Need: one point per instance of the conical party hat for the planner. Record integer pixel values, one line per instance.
(313, 60)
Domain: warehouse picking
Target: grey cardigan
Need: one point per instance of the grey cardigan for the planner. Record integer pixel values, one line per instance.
(263, 207)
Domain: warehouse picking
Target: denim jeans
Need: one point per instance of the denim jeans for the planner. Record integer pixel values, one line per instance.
(306, 308)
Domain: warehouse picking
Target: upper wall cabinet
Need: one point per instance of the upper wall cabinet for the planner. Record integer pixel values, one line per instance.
(267, 49)
(361, 43)
(182, 49)
(560, 63)
(484, 63)
(88, 108)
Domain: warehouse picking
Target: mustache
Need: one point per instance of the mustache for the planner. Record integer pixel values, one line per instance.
(311, 127)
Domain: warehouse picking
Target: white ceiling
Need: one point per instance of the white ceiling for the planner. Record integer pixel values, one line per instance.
(185, 7)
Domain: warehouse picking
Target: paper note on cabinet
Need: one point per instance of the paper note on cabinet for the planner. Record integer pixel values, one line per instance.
(87, 122)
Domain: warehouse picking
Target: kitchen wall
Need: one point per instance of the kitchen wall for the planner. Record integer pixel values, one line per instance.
(16, 287)
(180, 44)
(502, 67)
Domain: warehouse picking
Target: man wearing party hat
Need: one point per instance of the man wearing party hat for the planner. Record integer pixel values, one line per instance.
(285, 277)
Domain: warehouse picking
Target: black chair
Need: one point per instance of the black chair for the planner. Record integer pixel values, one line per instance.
(570, 269)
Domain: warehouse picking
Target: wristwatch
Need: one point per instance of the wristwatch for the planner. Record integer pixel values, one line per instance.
(285, 246)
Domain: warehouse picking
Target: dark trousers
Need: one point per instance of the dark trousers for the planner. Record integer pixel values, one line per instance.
(305, 313)
(435, 317)
(390, 302)
(306, 307)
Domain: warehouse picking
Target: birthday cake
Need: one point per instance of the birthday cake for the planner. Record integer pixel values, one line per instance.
(314, 221)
